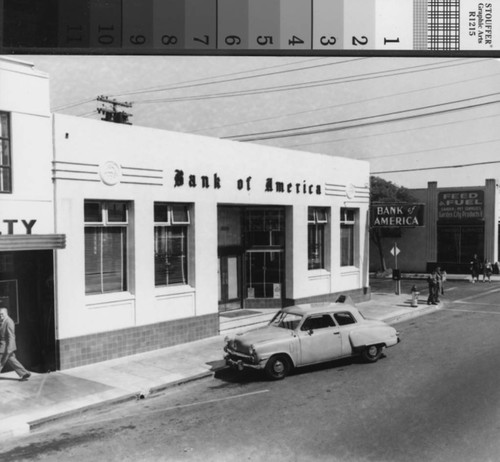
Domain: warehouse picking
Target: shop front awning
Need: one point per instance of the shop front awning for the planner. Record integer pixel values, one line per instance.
(16, 242)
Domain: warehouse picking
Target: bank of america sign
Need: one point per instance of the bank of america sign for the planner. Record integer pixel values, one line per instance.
(400, 214)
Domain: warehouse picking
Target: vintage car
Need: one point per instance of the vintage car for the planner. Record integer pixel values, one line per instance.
(308, 334)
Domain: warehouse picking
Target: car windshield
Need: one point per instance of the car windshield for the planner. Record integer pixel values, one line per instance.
(286, 320)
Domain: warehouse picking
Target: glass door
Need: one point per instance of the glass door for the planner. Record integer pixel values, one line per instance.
(264, 269)
(229, 287)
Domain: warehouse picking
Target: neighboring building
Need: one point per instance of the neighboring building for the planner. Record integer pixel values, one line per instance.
(459, 222)
(27, 238)
(165, 230)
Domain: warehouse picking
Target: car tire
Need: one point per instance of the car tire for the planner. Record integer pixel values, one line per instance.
(372, 353)
(277, 367)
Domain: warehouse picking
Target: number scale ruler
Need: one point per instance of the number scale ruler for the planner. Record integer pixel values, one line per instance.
(331, 27)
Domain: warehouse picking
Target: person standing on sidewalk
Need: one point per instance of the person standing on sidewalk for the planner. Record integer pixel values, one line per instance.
(432, 281)
(8, 345)
(440, 282)
(487, 270)
(474, 268)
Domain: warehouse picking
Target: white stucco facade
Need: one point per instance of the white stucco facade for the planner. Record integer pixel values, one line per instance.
(239, 174)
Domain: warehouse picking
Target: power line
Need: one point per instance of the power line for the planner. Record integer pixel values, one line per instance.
(190, 84)
(489, 116)
(443, 148)
(70, 105)
(301, 86)
(345, 104)
(472, 164)
(80, 102)
(284, 132)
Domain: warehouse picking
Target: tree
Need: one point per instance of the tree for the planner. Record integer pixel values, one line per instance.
(385, 191)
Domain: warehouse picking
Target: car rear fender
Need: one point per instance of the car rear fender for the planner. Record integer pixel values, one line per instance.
(373, 335)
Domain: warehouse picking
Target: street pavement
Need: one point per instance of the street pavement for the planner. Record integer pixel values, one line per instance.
(45, 398)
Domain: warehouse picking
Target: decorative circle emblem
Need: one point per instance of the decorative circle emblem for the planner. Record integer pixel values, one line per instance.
(350, 191)
(110, 173)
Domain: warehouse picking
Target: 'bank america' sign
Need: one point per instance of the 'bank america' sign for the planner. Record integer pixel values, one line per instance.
(389, 215)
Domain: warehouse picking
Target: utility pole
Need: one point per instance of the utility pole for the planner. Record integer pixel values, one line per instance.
(111, 113)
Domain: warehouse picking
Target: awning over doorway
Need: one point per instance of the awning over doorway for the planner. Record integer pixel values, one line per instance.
(15, 242)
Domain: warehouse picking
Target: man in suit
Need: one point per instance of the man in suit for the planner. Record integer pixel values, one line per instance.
(8, 345)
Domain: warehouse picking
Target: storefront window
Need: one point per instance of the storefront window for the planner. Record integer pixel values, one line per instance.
(264, 227)
(5, 157)
(458, 244)
(347, 224)
(317, 220)
(105, 246)
(170, 239)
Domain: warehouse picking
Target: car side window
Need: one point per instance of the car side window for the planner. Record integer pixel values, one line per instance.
(318, 322)
(344, 319)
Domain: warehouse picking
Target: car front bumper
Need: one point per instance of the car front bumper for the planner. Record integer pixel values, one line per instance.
(239, 364)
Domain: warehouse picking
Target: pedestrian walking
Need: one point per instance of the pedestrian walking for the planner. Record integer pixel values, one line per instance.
(433, 287)
(8, 345)
(474, 268)
(487, 270)
(439, 280)
(443, 280)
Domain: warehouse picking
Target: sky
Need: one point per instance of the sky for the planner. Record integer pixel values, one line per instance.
(414, 119)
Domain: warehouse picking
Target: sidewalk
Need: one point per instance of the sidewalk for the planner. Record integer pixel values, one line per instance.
(47, 397)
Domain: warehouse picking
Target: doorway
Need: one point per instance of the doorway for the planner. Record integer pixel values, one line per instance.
(229, 282)
(27, 291)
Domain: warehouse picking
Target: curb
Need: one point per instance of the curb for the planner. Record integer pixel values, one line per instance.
(18, 427)
(413, 314)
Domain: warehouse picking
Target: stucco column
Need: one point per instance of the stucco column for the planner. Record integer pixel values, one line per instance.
(431, 222)
(490, 221)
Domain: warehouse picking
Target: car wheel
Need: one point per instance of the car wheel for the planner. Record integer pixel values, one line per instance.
(372, 353)
(277, 367)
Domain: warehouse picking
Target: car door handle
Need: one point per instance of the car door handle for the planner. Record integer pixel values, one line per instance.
(336, 333)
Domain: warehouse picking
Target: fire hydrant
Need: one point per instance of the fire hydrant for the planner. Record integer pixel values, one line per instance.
(414, 296)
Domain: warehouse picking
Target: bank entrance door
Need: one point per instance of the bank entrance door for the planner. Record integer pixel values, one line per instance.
(229, 282)
(264, 279)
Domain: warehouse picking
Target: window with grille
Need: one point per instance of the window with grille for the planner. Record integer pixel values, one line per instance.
(347, 241)
(170, 241)
(5, 155)
(317, 218)
(106, 224)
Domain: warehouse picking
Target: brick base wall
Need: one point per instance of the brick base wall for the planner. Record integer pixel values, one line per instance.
(93, 348)
(357, 296)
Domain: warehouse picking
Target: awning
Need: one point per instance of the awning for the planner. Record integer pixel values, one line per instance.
(15, 242)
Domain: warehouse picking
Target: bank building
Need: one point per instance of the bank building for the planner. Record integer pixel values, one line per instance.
(119, 239)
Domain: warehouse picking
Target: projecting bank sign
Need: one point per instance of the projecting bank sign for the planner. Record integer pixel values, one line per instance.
(402, 215)
(461, 205)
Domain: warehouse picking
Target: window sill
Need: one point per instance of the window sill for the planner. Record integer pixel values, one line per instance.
(347, 270)
(318, 274)
(174, 290)
(99, 299)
